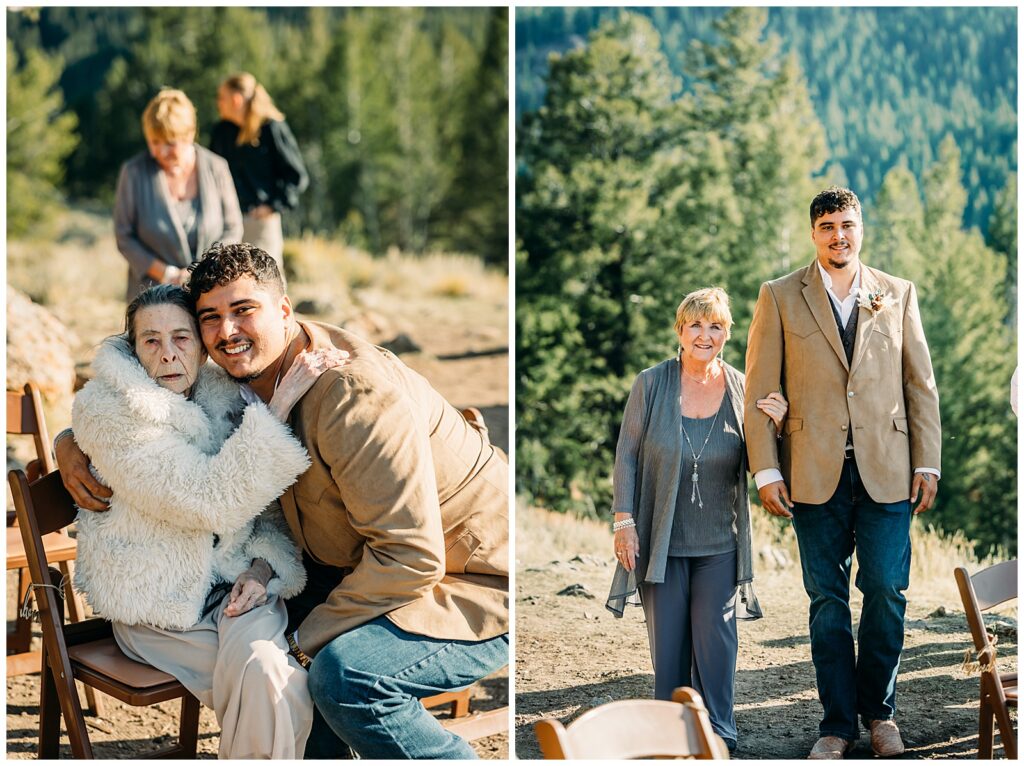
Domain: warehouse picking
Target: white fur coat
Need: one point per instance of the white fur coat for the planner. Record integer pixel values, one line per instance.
(183, 479)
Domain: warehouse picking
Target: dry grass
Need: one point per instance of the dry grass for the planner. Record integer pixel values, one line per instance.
(543, 535)
(74, 269)
(77, 258)
(345, 271)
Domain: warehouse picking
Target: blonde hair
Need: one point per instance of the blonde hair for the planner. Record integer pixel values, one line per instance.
(711, 303)
(169, 116)
(259, 107)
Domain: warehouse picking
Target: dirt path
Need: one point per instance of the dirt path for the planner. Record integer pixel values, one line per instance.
(572, 654)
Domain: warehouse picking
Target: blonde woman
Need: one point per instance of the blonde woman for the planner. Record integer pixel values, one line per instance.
(173, 200)
(682, 519)
(264, 159)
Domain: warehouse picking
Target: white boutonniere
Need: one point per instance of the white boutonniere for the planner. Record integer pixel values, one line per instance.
(875, 302)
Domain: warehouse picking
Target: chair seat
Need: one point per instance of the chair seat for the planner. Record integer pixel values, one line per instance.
(106, 658)
(59, 547)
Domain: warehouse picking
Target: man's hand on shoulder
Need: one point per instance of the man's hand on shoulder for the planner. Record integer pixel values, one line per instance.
(86, 491)
(775, 499)
(925, 487)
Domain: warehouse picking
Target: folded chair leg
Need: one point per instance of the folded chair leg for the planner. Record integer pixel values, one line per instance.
(1007, 736)
(984, 727)
(460, 705)
(76, 613)
(188, 734)
(49, 715)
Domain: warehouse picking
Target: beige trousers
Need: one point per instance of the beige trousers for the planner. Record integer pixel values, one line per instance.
(265, 233)
(240, 667)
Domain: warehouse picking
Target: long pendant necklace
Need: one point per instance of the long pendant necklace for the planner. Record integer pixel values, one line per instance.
(695, 478)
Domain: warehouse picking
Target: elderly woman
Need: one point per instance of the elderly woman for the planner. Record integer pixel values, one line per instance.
(264, 159)
(682, 519)
(173, 200)
(186, 562)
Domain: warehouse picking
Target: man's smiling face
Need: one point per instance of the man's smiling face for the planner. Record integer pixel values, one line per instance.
(837, 238)
(244, 326)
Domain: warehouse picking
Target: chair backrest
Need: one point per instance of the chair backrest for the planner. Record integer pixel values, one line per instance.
(25, 417)
(632, 729)
(986, 589)
(42, 507)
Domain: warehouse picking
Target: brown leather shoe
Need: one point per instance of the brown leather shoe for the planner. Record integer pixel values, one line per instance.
(830, 749)
(885, 739)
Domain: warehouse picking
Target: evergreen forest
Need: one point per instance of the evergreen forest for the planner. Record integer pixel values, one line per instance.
(887, 84)
(401, 113)
(667, 150)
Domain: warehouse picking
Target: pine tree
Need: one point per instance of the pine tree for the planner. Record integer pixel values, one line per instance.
(478, 206)
(961, 292)
(1002, 237)
(585, 216)
(40, 136)
(742, 212)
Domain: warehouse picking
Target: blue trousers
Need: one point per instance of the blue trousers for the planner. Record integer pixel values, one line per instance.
(367, 685)
(691, 627)
(863, 682)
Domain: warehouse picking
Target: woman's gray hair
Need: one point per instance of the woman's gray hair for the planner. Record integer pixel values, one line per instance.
(158, 295)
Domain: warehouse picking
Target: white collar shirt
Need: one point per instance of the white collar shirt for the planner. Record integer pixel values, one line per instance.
(844, 307)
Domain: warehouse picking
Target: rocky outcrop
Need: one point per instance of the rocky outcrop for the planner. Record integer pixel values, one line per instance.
(39, 349)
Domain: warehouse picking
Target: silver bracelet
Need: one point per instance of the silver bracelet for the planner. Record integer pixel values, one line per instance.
(624, 524)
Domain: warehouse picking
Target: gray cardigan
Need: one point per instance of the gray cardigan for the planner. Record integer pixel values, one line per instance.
(646, 482)
(147, 227)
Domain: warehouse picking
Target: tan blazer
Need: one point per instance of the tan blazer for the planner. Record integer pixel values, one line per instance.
(887, 395)
(404, 493)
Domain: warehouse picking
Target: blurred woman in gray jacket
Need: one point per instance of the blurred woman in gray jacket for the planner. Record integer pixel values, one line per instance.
(173, 200)
(682, 518)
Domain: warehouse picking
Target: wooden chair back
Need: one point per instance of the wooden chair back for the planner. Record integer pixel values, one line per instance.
(985, 590)
(25, 417)
(83, 651)
(635, 729)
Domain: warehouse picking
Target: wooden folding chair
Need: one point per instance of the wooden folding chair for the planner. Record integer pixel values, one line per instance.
(25, 417)
(463, 721)
(635, 729)
(987, 589)
(83, 651)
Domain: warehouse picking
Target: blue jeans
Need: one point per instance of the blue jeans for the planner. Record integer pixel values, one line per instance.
(863, 684)
(367, 685)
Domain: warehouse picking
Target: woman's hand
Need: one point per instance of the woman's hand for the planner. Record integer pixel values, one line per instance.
(261, 211)
(627, 544)
(250, 589)
(304, 372)
(774, 406)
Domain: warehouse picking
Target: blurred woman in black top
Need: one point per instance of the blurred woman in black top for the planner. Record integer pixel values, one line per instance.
(265, 162)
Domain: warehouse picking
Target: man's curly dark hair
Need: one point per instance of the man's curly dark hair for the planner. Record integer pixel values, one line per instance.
(832, 200)
(223, 264)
